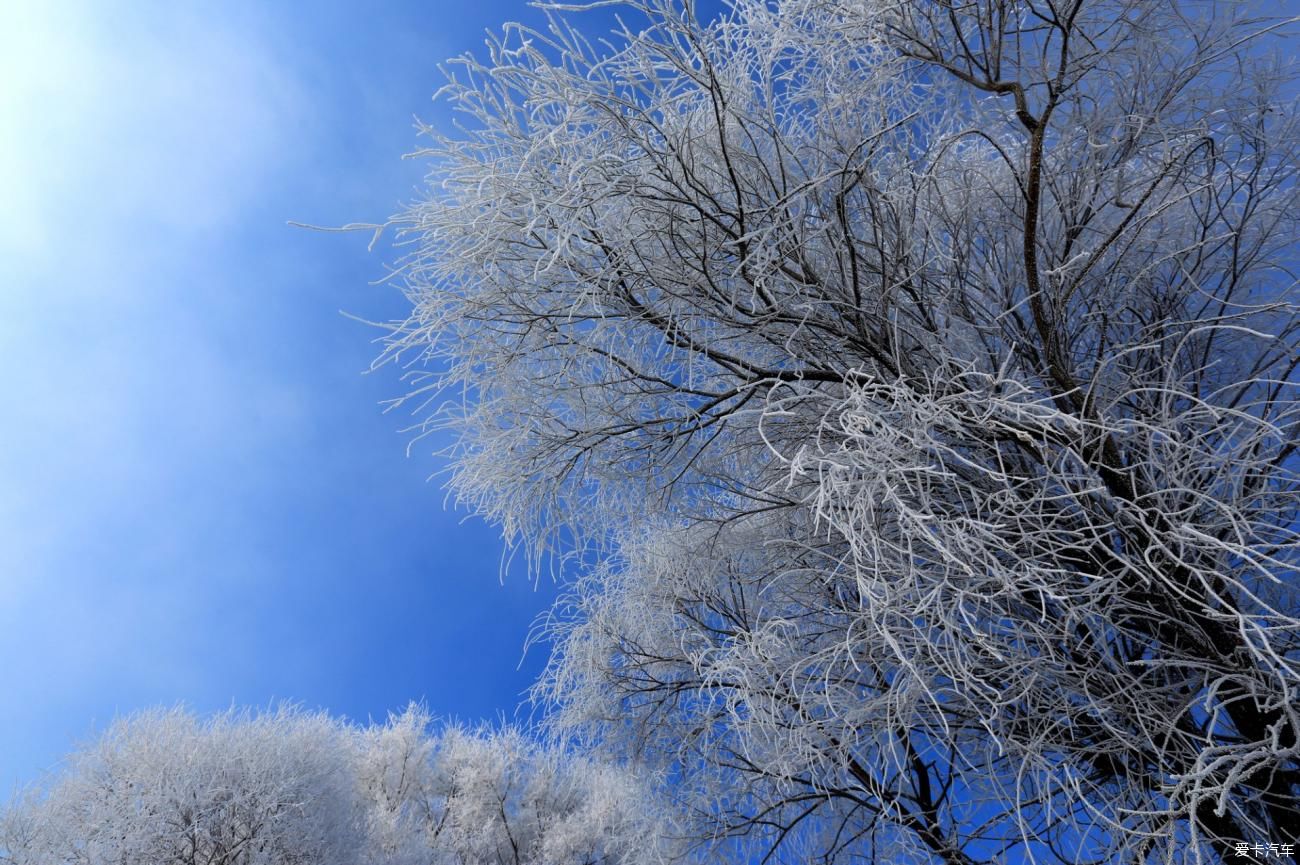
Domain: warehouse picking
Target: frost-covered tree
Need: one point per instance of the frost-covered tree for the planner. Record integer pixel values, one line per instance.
(908, 390)
(502, 798)
(168, 789)
(291, 788)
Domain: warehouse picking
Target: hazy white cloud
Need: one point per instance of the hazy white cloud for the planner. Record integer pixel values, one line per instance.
(198, 497)
(133, 137)
(124, 122)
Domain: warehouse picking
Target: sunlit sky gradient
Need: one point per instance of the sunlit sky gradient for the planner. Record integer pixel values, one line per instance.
(200, 500)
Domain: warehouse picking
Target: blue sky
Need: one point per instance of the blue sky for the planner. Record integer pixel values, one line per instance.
(200, 499)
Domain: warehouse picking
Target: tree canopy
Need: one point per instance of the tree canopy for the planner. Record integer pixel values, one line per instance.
(295, 788)
(907, 392)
